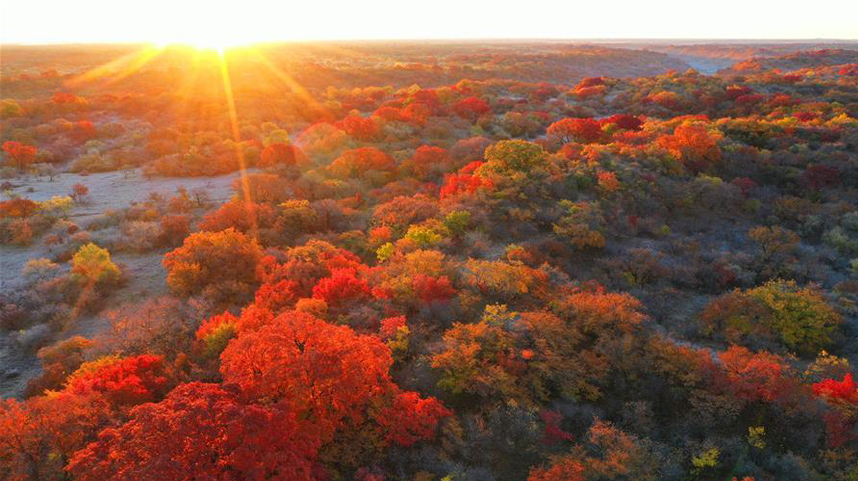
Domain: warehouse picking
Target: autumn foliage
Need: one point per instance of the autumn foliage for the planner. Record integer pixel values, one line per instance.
(328, 375)
(845, 391)
(219, 437)
(280, 154)
(429, 262)
(471, 108)
(694, 145)
(20, 154)
(127, 381)
(213, 260)
(357, 162)
(575, 130)
(341, 288)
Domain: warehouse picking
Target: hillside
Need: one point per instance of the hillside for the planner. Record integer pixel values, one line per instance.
(432, 261)
(795, 61)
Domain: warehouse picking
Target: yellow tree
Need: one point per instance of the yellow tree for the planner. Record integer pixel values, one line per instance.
(93, 264)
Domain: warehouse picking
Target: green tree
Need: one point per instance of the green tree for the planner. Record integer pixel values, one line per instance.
(582, 224)
(800, 315)
(514, 155)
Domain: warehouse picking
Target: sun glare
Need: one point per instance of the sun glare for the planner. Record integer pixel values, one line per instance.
(220, 32)
(210, 44)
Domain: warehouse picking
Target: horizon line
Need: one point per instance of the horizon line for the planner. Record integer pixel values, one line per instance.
(455, 39)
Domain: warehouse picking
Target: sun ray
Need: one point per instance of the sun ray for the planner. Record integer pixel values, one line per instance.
(185, 90)
(118, 69)
(289, 81)
(236, 137)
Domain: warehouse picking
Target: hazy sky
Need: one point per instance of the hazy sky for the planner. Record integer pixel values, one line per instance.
(243, 21)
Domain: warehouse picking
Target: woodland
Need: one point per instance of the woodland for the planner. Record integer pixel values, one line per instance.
(448, 261)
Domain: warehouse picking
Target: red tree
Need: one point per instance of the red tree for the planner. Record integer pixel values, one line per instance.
(281, 154)
(736, 91)
(277, 296)
(391, 325)
(128, 381)
(563, 469)
(845, 391)
(329, 375)
(624, 121)
(576, 130)
(213, 323)
(217, 262)
(82, 131)
(758, 376)
(355, 162)
(471, 108)
(21, 208)
(79, 191)
(240, 215)
(361, 128)
(201, 431)
(410, 418)
(427, 158)
(693, 144)
(22, 155)
(463, 183)
(591, 82)
(429, 98)
(60, 98)
(430, 289)
(341, 288)
(37, 436)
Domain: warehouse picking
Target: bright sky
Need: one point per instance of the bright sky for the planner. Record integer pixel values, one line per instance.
(217, 22)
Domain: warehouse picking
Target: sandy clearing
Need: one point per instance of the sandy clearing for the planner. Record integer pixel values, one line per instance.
(107, 190)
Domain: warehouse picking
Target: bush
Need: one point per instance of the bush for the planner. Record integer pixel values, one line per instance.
(141, 236)
(798, 317)
(214, 260)
(173, 229)
(582, 224)
(92, 264)
(37, 270)
(514, 155)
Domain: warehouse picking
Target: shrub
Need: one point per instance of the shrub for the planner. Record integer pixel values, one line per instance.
(141, 236)
(17, 208)
(514, 155)
(357, 163)
(575, 130)
(240, 215)
(173, 229)
(92, 264)
(457, 222)
(581, 224)
(37, 270)
(214, 259)
(799, 317)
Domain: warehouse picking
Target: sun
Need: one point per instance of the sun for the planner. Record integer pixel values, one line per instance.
(218, 28)
(209, 37)
(211, 44)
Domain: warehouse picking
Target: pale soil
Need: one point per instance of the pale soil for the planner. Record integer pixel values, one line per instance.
(107, 190)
